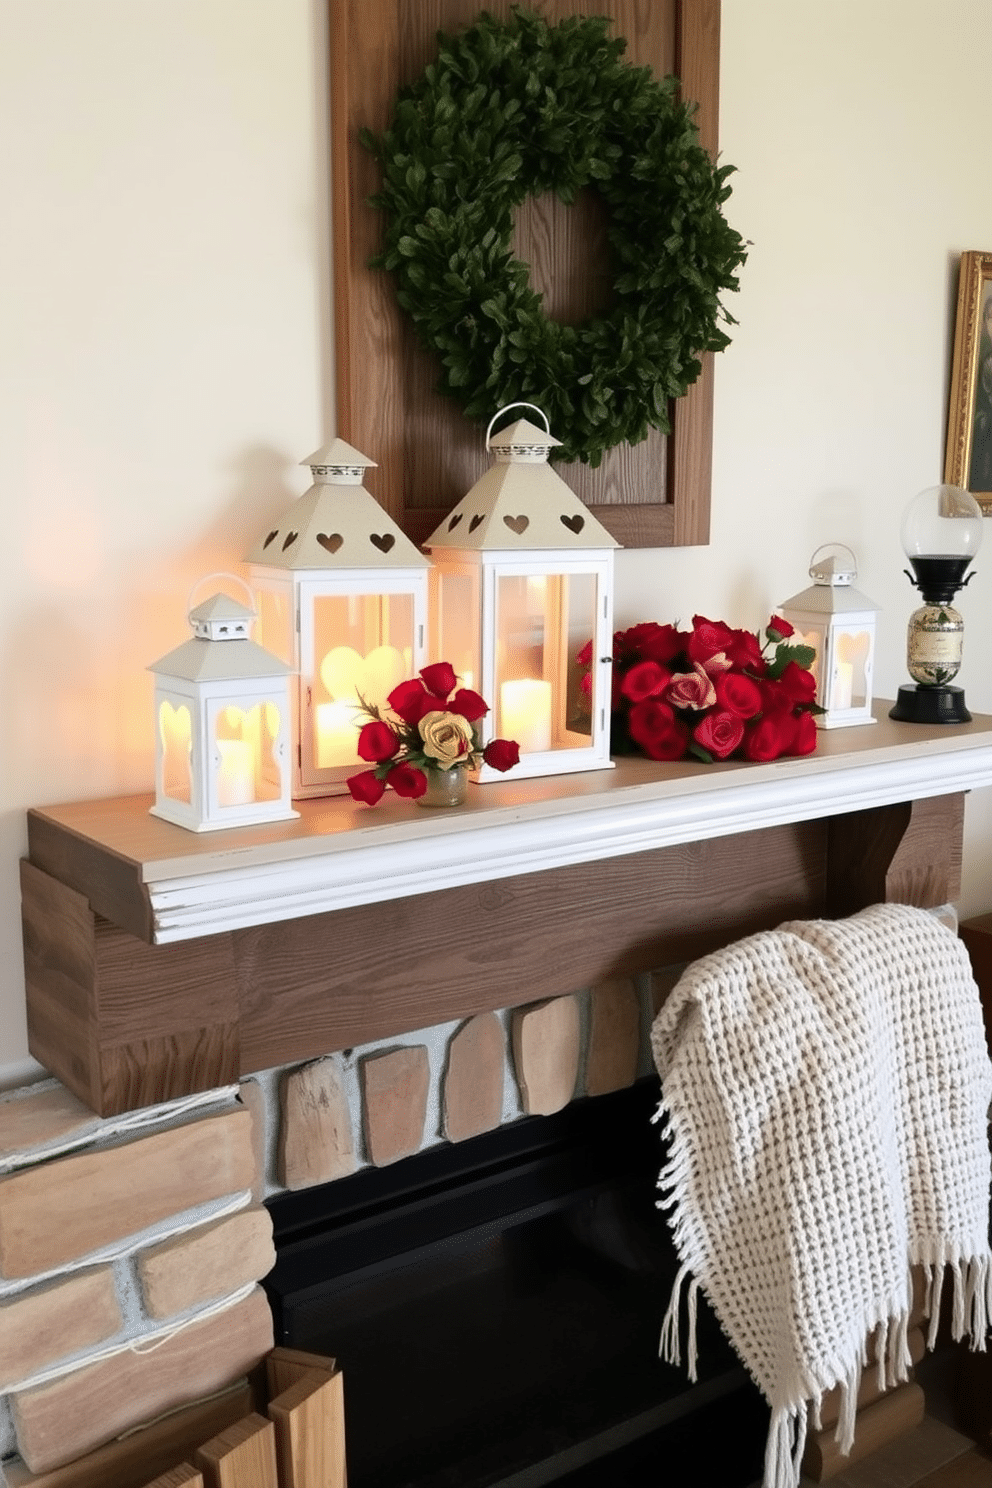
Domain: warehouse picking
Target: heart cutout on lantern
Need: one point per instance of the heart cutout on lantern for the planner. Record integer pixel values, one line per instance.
(330, 540)
(347, 675)
(383, 541)
(271, 537)
(176, 734)
(574, 524)
(517, 524)
(854, 649)
(289, 539)
(454, 521)
(476, 521)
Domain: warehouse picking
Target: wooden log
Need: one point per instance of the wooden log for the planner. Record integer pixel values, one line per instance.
(310, 1435)
(241, 1456)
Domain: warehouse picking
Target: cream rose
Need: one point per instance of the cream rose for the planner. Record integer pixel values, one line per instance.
(691, 689)
(447, 737)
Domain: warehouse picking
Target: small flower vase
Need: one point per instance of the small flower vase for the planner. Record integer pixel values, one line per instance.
(445, 787)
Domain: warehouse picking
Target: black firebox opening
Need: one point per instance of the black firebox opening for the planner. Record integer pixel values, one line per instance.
(496, 1305)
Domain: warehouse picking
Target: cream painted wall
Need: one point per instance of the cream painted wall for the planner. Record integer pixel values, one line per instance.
(164, 362)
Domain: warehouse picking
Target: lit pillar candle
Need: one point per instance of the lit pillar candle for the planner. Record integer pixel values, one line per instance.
(525, 713)
(337, 736)
(236, 777)
(843, 689)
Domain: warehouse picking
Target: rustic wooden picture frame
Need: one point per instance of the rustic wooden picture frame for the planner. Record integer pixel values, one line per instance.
(968, 456)
(654, 494)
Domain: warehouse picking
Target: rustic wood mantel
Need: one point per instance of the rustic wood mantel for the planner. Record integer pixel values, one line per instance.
(161, 962)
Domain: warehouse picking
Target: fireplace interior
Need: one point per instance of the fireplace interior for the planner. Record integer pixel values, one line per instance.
(496, 1305)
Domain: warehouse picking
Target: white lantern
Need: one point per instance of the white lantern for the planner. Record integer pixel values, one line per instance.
(839, 623)
(343, 600)
(222, 715)
(522, 579)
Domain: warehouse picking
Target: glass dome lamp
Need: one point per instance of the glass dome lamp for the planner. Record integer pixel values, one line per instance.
(941, 533)
(839, 623)
(522, 581)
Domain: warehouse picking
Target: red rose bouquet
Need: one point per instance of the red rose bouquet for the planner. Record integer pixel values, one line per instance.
(711, 692)
(432, 727)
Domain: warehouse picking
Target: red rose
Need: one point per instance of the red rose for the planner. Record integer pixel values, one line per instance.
(769, 737)
(782, 628)
(655, 729)
(502, 754)
(744, 650)
(805, 740)
(584, 657)
(719, 733)
(410, 701)
(645, 679)
(377, 742)
(366, 787)
(439, 678)
(691, 689)
(774, 699)
(737, 694)
(468, 704)
(407, 780)
(708, 638)
(798, 684)
(660, 643)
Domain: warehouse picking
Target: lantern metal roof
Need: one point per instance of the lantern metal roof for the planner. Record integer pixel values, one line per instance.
(220, 651)
(337, 523)
(832, 592)
(520, 502)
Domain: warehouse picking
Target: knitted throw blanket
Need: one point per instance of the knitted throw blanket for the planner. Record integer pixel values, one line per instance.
(826, 1087)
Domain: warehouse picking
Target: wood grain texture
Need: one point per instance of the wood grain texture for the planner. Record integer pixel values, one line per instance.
(183, 1476)
(129, 1462)
(310, 1432)
(333, 981)
(896, 1413)
(428, 453)
(908, 854)
(241, 1456)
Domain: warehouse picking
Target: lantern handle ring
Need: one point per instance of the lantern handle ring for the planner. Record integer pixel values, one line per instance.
(500, 411)
(222, 574)
(836, 547)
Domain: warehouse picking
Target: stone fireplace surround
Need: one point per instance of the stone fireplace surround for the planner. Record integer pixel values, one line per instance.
(112, 1231)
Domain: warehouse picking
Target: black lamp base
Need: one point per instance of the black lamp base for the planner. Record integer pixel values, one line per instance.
(917, 704)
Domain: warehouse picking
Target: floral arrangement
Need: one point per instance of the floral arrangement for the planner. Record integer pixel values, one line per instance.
(710, 692)
(433, 727)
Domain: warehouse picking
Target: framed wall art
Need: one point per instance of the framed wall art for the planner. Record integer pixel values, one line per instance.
(968, 458)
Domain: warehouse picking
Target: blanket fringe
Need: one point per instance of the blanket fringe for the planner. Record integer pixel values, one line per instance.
(669, 1347)
(971, 1303)
(785, 1446)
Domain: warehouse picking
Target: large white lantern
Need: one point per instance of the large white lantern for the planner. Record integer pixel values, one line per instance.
(839, 623)
(522, 580)
(222, 737)
(342, 597)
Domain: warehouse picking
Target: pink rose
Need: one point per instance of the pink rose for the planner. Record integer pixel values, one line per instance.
(691, 689)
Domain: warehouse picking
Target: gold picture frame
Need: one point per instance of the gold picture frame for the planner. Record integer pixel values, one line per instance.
(968, 456)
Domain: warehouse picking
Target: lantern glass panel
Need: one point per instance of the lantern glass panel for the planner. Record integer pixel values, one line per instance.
(849, 678)
(363, 648)
(542, 621)
(454, 604)
(275, 621)
(176, 733)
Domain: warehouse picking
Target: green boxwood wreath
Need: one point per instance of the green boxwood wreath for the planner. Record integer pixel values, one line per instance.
(515, 108)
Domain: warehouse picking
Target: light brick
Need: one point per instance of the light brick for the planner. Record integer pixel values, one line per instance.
(65, 1209)
(315, 1137)
(473, 1080)
(546, 1053)
(49, 1323)
(209, 1262)
(252, 1098)
(394, 1090)
(60, 1421)
(614, 1036)
(41, 1117)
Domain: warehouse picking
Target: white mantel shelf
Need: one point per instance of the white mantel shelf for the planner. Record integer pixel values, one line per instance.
(339, 854)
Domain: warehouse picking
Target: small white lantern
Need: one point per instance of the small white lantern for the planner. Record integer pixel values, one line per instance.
(522, 579)
(222, 714)
(839, 623)
(343, 600)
